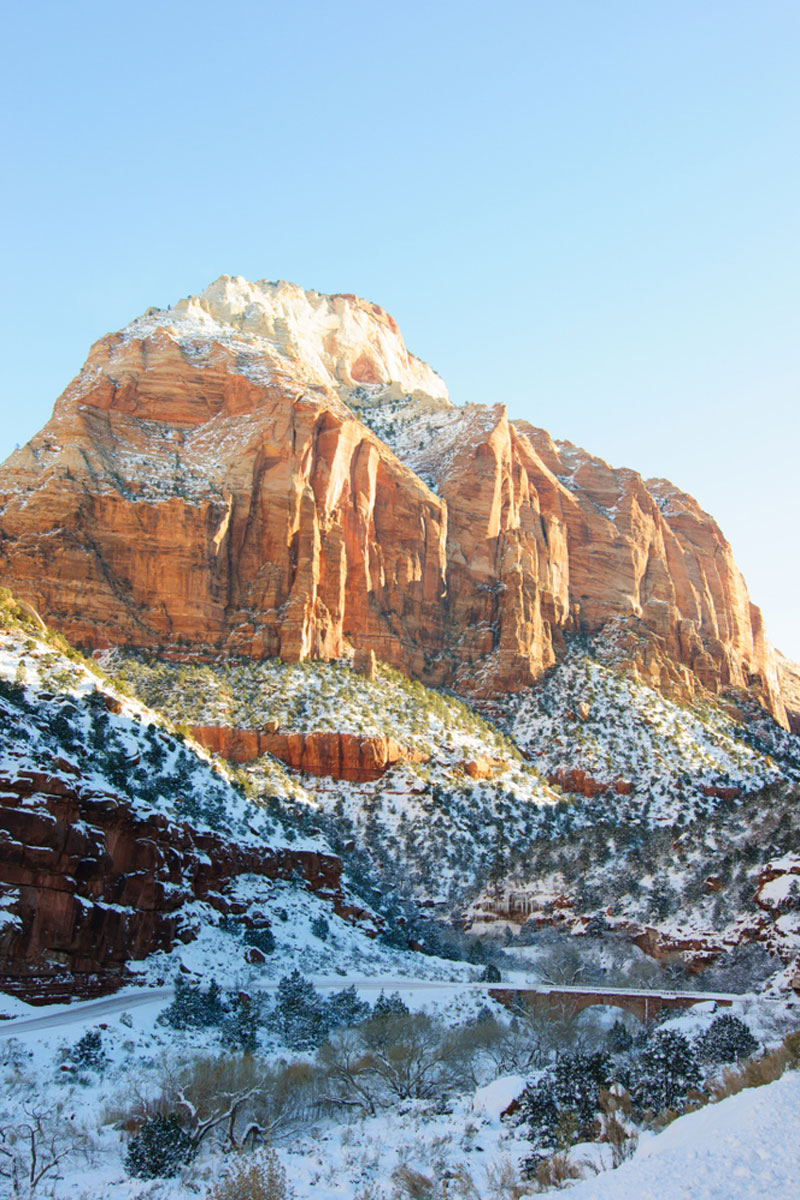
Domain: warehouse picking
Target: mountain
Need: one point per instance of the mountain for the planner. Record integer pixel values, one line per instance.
(264, 471)
(277, 535)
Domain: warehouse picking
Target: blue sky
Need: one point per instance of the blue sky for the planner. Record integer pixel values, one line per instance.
(587, 211)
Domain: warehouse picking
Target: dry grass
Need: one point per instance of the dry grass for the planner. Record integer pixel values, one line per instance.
(261, 1178)
(413, 1184)
(558, 1172)
(756, 1072)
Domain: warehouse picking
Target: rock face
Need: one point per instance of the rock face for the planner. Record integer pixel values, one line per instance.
(267, 471)
(100, 885)
(339, 755)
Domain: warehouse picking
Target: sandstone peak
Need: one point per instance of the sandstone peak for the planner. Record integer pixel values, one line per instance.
(333, 341)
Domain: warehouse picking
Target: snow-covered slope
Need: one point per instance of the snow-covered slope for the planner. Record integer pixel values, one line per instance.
(151, 856)
(675, 795)
(746, 1146)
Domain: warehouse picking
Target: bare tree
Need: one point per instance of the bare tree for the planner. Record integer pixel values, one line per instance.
(396, 1057)
(33, 1147)
(237, 1099)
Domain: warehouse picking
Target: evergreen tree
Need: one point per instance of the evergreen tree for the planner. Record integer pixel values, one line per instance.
(88, 1052)
(390, 1006)
(299, 1017)
(727, 1039)
(160, 1149)
(564, 1101)
(346, 1009)
(194, 1008)
(240, 1026)
(665, 1071)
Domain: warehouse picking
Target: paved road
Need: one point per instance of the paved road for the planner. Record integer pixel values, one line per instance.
(90, 1010)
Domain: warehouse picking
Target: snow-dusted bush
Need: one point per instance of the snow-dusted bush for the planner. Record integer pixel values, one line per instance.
(161, 1147)
(299, 1017)
(194, 1007)
(560, 1107)
(87, 1053)
(664, 1071)
(727, 1039)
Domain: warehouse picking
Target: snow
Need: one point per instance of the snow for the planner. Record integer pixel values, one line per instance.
(746, 1146)
(492, 1100)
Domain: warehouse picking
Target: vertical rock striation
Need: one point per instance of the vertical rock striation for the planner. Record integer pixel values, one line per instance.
(267, 471)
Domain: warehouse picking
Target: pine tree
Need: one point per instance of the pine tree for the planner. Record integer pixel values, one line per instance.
(390, 1006)
(346, 1009)
(727, 1039)
(666, 1070)
(299, 1016)
(160, 1149)
(240, 1026)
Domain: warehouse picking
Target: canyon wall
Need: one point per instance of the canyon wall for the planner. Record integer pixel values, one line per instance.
(266, 471)
(88, 884)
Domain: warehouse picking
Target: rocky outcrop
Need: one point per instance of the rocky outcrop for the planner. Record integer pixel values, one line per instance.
(578, 782)
(339, 755)
(789, 677)
(90, 883)
(210, 480)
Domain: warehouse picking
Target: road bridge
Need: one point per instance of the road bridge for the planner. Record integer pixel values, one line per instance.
(567, 1001)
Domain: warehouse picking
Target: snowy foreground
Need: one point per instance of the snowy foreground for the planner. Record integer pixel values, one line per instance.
(744, 1147)
(455, 1146)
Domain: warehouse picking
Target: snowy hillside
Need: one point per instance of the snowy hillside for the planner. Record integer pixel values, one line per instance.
(685, 806)
(590, 715)
(76, 749)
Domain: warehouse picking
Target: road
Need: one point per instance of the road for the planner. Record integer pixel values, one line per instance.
(96, 1010)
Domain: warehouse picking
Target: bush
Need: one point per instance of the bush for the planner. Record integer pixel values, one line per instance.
(194, 1008)
(160, 1149)
(727, 1039)
(320, 928)
(560, 1108)
(665, 1072)
(88, 1052)
(254, 1179)
(262, 939)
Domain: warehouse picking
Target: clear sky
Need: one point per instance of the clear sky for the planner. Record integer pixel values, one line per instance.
(589, 211)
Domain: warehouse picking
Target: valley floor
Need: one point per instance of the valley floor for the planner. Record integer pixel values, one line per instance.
(454, 1146)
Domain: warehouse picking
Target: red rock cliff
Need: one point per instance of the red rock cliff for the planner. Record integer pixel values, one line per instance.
(97, 885)
(202, 482)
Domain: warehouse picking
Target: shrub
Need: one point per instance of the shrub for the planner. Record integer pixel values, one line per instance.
(254, 1179)
(320, 928)
(160, 1149)
(194, 1008)
(727, 1039)
(665, 1071)
(262, 939)
(560, 1107)
(88, 1052)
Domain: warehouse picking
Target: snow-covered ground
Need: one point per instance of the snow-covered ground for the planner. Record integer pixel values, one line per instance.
(747, 1147)
(737, 1149)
